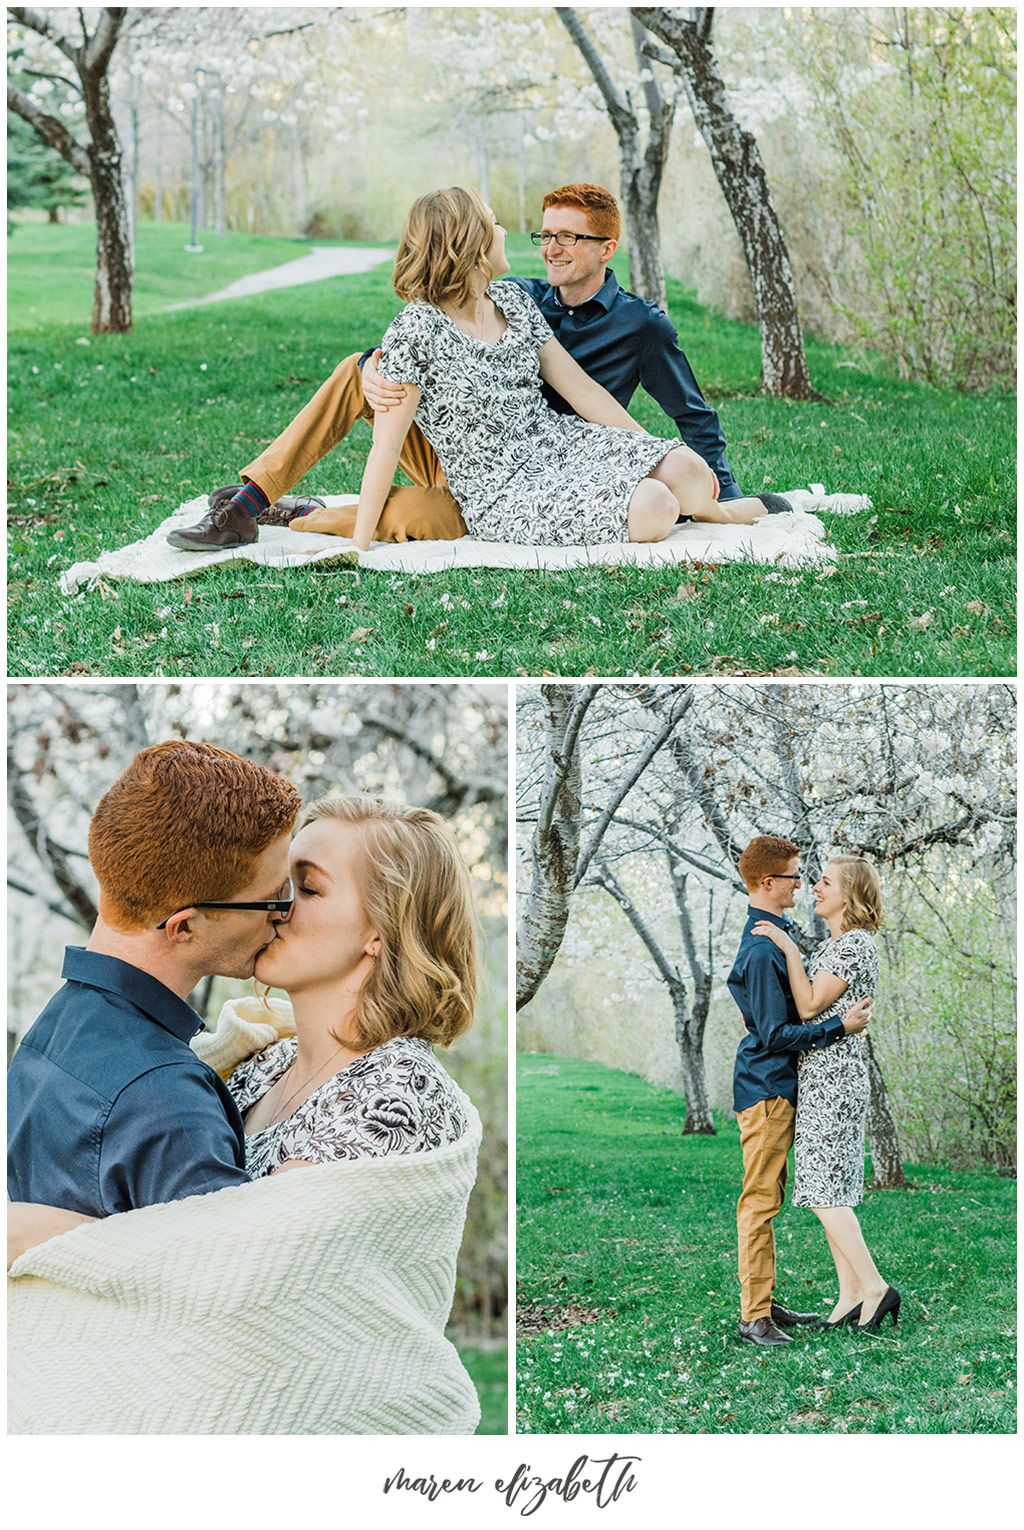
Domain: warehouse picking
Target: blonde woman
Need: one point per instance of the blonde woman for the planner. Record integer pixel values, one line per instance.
(832, 1088)
(379, 961)
(471, 352)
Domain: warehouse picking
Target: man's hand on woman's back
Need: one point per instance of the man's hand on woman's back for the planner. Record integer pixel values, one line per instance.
(857, 1018)
(380, 394)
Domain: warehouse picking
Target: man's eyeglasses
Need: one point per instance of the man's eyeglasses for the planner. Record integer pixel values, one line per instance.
(566, 240)
(281, 905)
(786, 876)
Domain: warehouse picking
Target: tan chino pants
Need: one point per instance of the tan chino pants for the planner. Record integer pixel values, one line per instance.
(426, 512)
(766, 1136)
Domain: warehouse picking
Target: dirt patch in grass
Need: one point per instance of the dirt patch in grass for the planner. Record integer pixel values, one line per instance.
(533, 1319)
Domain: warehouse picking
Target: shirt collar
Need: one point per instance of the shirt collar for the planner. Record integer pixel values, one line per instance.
(754, 914)
(146, 993)
(604, 297)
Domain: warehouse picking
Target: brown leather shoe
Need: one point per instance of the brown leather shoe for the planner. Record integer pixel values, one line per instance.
(782, 1317)
(288, 508)
(281, 513)
(763, 1331)
(226, 526)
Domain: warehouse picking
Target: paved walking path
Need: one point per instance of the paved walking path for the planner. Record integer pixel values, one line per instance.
(322, 261)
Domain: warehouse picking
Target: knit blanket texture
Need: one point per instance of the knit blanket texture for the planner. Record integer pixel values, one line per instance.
(310, 1302)
(794, 540)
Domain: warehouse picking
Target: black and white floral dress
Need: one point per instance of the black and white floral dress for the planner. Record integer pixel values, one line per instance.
(520, 472)
(395, 1099)
(832, 1085)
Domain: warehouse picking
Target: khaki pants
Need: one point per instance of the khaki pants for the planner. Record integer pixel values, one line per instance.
(766, 1136)
(427, 512)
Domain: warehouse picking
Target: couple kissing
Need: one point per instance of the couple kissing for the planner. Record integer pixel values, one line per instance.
(801, 1080)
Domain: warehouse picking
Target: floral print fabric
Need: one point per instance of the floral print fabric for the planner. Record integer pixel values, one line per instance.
(832, 1085)
(395, 1099)
(520, 472)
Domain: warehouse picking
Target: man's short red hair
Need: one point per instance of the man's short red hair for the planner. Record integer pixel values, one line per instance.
(766, 856)
(185, 823)
(600, 206)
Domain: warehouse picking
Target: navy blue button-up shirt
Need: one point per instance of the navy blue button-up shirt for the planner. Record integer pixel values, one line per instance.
(624, 342)
(766, 1059)
(108, 1107)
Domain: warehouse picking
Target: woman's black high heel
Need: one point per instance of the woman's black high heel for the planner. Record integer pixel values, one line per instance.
(847, 1318)
(890, 1303)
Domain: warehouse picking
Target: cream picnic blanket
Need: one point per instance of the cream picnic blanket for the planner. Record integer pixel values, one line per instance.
(312, 1302)
(791, 541)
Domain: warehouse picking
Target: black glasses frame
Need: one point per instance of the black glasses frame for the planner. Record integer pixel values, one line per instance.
(786, 876)
(281, 906)
(563, 237)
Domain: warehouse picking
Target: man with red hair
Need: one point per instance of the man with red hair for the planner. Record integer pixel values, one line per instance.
(765, 1081)
(622, 341)
(108, 1107)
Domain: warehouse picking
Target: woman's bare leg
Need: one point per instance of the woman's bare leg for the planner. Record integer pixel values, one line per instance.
(653, 512)
(849, 1289)
(693, 484)
(843, 1232)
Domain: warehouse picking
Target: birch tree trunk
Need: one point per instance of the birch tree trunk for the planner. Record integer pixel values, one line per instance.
(556, 839)
(100, 158)
(690, 1019)
(744, 182)
(640, 169)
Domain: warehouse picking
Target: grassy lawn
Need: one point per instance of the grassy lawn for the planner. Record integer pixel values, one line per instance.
(107, 438)
(50, 269)
(489, 1370)
(628, 1294)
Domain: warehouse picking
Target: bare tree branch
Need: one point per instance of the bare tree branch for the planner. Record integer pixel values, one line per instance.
(50, 129)
(682, 705)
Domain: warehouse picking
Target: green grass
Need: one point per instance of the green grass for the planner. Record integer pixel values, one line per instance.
(489, 1370)
(51, 269)
(626, 1259)
(107, 438)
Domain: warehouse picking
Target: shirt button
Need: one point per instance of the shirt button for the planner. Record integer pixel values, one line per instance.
(570, 310)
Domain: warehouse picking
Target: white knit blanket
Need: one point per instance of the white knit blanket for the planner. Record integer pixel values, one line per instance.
(791, 541)
(311, 1302)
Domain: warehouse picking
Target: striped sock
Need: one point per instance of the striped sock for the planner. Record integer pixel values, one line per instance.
(251, 499)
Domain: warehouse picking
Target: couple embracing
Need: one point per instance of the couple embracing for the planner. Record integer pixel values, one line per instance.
(801, 1080)
(504, 401)
(257, 1232)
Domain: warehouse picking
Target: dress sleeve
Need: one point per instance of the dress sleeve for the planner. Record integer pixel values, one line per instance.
(853, 957)
(405, 347)
(520, 309)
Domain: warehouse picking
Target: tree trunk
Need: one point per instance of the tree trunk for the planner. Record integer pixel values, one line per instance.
(691, 1061)
(100, 159)
(220, 199)
(640, 204)
(556, 839)
(521, 174)
(744, 183)
(886, 1162)
(112, 299)
(158, 190)
(640, 172)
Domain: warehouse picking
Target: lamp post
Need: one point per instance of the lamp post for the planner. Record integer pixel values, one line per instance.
(195, 248)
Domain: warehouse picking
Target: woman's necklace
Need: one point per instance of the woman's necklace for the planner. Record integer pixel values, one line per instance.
(475, 328)
(280, 1112)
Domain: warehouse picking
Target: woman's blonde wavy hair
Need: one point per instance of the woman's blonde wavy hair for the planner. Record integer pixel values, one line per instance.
(416, 893)
(862, 891)
(445, 239)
